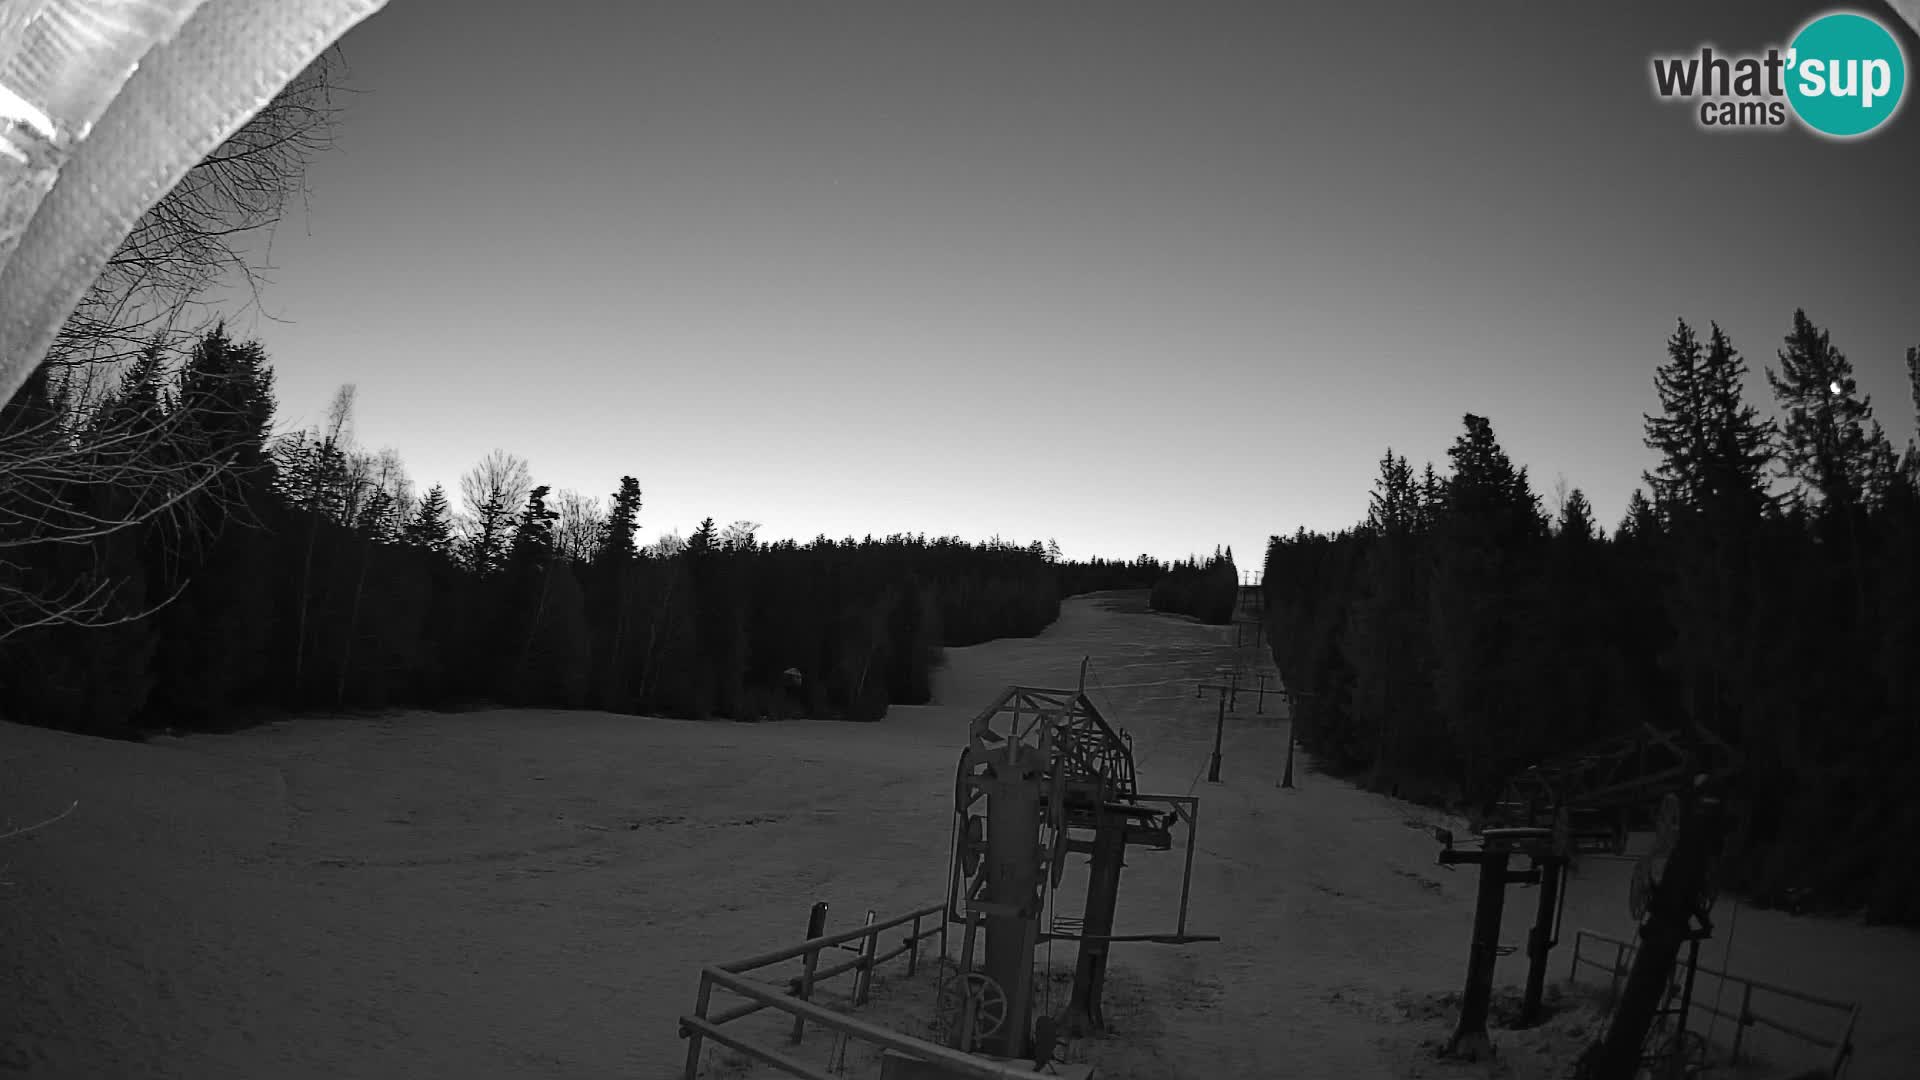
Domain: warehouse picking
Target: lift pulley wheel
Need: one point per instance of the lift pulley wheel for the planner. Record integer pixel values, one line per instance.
(989, 1005)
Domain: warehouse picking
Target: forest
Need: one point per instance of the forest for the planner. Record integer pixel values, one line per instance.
(1207, 591)
(1761, 586)
(174, 564)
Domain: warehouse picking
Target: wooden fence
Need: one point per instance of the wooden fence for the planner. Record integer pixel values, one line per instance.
(794, 1000)
(1845, 1015)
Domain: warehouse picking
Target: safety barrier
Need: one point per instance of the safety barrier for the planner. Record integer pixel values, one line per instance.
(1839, 1046)
(700, 1025)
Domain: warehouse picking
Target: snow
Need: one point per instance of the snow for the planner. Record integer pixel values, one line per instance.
(533, 893)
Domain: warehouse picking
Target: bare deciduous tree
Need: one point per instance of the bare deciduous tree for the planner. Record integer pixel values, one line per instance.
(201, 232)
(739, 536)
(577, 534)
(493, 492)
(214, 226)
(74, 475)
(669, 544)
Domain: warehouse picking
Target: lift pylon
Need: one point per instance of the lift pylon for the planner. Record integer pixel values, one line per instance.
(1048, 765)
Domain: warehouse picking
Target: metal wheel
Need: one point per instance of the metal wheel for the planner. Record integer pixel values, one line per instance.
(989, 1005)
(1671, 1054)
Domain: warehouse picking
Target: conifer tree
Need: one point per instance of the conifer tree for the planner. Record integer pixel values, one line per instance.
(623, 522)
(1394, 505)
(1714, 448)
(1642, 520)
(491, 490)
(1576, 519)
(533, 538)
(431, 527)
(1827, 441)
(226, 389)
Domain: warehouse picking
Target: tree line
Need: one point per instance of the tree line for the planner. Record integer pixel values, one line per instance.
(167, 562)
(1207, 591)
(1761, 585)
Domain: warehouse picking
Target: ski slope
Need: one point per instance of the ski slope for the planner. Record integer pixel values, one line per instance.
(532, 894)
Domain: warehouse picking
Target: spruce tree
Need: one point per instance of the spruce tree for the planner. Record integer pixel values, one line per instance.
(226, 394)
(1827, 443)
(431, 527)
(623, 522)
(1576, 519)
(533, 538)
(1642, 520)
(1394, 505)
(1912, 464)
(1713, 446)
(1487, 493)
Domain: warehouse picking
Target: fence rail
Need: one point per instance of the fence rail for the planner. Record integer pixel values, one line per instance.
(702, 1024)
(1838, 1046)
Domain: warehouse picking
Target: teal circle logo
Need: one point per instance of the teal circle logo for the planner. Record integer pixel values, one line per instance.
(1845, 74)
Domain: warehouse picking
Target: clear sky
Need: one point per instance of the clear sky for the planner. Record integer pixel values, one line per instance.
(1139, 277)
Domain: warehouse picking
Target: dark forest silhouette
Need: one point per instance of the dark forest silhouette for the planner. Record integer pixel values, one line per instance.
(1762, 584)
(1206, 590)
(242, 575)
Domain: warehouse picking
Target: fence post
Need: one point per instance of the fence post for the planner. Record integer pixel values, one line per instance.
(816, 927)
(913, 948)
(1746, 1018)
(863, 975)
(1573, 969)
(1843, 1053)
(694, 1037)
(1613, 988)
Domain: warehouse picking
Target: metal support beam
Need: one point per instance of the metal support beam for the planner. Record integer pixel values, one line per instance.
(1013, 830)
(1470, 1040)
(1219, 730)
(1668, 925)
(1540, 940)
(1103, 896)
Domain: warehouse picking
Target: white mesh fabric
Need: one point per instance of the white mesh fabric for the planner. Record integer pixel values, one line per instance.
(204, 67)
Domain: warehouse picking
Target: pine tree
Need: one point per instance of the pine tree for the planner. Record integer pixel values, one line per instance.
(1487, 493)
(1394, 505)
(1714, 448)
(1739, 442)
(1912, 463)
(431, 527)
(623, 522)
(1679, 435)
(533, 538)
(1826, 442)
(138, 401)
(1642, 520)
(226, 391)
(1576, 519)
(704, 539)
(1431, 498)
(379, 517)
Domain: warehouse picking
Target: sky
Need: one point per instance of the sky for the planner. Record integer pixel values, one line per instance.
(1140, 278)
